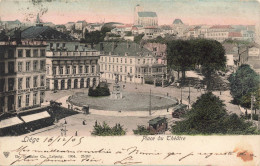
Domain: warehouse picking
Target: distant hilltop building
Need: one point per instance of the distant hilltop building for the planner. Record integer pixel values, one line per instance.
(145, 18)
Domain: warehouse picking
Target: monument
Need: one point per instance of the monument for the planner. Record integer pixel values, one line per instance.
(116, 93)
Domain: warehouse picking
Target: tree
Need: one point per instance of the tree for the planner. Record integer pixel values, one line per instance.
(209, 116)
(142, 130)
(211, 56)
(138, 38)
(106, 130)
(243, 84)
(179, 56)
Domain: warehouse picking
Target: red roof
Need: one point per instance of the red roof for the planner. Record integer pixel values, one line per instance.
(221, 27)
(134, 28)
(234, 34)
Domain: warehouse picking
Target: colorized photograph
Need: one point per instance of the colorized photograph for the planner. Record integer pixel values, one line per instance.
(89, 68)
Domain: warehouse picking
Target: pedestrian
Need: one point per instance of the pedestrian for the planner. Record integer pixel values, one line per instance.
(65, 122)
(84, 122)
(76, 134)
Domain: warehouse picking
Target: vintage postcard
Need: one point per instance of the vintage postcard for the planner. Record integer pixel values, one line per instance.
(130, 82)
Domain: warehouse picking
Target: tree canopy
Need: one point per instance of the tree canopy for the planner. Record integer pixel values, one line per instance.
(209, 116)
(244, 83)
(96, 36)
(186, 54)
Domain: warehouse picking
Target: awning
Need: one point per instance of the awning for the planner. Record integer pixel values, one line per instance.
(10, 122)
(36, 116)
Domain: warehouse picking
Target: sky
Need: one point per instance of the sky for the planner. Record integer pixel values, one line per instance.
(192, 12)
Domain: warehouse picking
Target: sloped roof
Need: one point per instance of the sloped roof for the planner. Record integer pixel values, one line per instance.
(177, 21)
(147, 14)
(234, 34)
(221, 27)
(44, 33)
(120, 48)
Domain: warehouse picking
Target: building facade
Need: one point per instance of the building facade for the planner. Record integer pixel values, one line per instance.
(129, 61)
(145, 18)
(22, 75)
(71, 67)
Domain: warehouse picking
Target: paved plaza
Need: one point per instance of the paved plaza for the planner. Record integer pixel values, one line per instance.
(129, 119)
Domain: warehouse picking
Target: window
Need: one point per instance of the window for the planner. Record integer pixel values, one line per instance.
(10, 53)
(74, 69)
(105, 66)
(143, 61)
(113, 68)
(20, 53)
(126, 69)
(2, 67)
(109, 67)
(113, 60)
(28, 66)
(80, 69)
(61, 70)
(43, 53)
(121, 69)
(87, 69)
(102, 58)
(2, 85)
(121, 60)
(27, 100)
(116, 68)
(63, 45)
(57, 45)
(125, 60)
(93, 69)
(20, 66)
(35, 52)
(34, 98)
(130, 61)
(68, 70)
(20, 83)
(42, 94)
(35, 65)
(117, 60)
(28, 53)
(42, 65)
(54, 70)
(2, 53)
(10, 84)
(35, 81)
(155, 49)
(47, 70)
(130, 69)
(76, 47)
(42, 81)
(10, 67)
(138, 61)
(51, 45)
(19, 101)
(109, 59)
(28, 79)
(105, 59)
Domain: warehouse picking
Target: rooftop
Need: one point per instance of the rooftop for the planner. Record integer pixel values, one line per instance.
(177, 21)
(44, 33)
(234, 34)
(221, 27)
(120, 48)
(147, 14)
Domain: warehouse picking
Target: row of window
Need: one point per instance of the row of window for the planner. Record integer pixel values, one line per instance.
(11, 82)
(115, 68)
(115, 60)
(27, 99)
(10, 67)
(81, 70)
(31, 53)
(28, 66)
